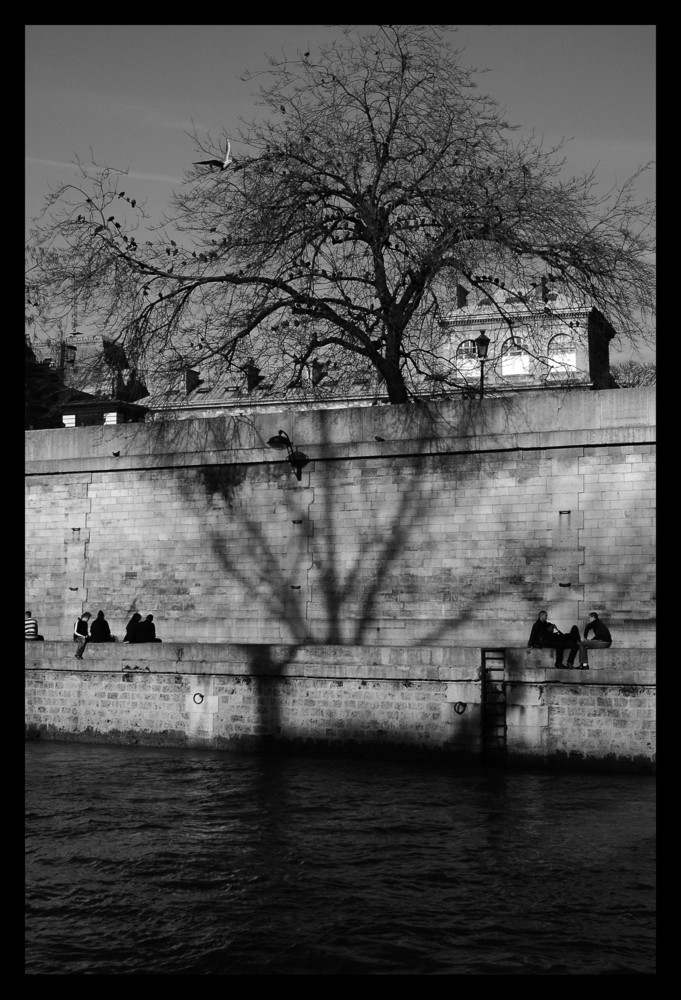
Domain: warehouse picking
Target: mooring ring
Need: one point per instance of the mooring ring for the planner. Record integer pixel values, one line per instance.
(460, 707)
(198, 698)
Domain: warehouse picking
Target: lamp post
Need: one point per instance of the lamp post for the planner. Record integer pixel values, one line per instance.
(481, 344)
(297, 459)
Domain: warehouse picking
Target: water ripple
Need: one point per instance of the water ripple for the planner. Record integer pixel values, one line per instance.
(144, 861)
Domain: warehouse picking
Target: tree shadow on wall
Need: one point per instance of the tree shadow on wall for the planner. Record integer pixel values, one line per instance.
(314, 563)
(329, 586)
(335, 560)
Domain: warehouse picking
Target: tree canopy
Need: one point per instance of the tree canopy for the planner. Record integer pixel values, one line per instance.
(632, 374)
(333, 228)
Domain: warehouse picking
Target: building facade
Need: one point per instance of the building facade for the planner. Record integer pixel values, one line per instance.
(99, 383)
(541, 339)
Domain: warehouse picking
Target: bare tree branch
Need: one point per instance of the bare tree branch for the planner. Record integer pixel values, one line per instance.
(375, 179)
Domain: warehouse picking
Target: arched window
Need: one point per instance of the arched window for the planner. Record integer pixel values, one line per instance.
(562, 356)
(466, 349)
(513, 346)
(561, 343)
(514, 357)
(467, 358)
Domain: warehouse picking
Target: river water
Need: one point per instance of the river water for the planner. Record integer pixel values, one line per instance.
(144, 861)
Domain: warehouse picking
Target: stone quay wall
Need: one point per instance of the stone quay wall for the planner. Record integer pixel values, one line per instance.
(398, 701)
(442, 525)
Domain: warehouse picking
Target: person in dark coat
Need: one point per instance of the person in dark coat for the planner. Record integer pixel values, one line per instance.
(545, 635)
(146, 630)
(99, 630)
(132, 628)
(601, 639)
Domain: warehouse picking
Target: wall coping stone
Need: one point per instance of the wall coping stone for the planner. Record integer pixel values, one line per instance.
(607, 666)
(555, 419)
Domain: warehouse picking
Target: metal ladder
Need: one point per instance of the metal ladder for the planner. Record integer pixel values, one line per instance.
(493, 715)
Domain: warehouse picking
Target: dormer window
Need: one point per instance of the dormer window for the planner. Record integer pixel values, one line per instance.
(253, 376)
(192, 380)
(461, 297)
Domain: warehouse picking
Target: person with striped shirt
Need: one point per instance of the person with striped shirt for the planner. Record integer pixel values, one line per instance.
(31, 627)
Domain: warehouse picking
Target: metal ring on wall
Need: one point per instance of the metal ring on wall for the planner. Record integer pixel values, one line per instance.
(198, 698)
(460, 707)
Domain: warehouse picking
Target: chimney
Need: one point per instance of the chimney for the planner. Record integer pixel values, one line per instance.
(599, 334)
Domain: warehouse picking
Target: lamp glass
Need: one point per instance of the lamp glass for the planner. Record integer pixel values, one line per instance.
(481, 344)
(280, 441)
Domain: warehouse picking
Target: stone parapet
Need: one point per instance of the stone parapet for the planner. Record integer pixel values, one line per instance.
(557, 419)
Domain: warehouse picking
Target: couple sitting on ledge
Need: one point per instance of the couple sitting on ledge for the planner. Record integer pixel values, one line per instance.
(141, 631)
(545, 635)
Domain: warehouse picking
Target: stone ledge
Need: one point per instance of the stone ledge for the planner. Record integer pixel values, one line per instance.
(456, 445)
(630, 660)
(426, 663)
(578, 418)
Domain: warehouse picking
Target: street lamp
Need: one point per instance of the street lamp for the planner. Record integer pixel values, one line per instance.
(297, 459)
(481, 344)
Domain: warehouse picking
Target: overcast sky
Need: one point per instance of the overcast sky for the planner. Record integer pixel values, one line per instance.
(127, 94)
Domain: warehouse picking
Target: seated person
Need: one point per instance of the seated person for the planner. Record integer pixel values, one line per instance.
(132, 628)
(146, 631)
(80, 633)
(545, 635)
(601, 640)
(99, 630)
(31, 627)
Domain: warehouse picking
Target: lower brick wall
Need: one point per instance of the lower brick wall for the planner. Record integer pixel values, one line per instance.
(400, 700)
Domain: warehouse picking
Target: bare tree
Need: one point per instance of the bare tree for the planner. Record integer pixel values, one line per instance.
(333, 229)
(631, 374)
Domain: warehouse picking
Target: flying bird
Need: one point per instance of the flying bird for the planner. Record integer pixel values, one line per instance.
(220, 164)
